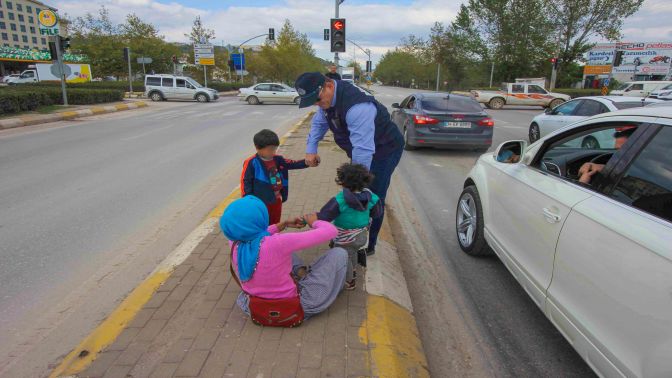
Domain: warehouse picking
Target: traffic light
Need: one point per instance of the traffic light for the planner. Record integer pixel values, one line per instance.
(271, 34)
(553, 60)
(52, 51)
(326, 34)
(174, 58)
(337, 34)
(65, 43)
(127, 54)
(231, 65)
(618, 58)
(368, 66)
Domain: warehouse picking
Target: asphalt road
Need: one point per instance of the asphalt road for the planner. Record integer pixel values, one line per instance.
(474, 318)
(89, 207)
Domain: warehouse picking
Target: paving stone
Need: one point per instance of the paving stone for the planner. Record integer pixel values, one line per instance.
(217, 318)
(167, 309)
(124, 339)
(334, 343)
(157, 299)
(209, 253)
(286, 365)
(191, 278)
(333, 366)
(117, 371)
(201, 265)
(151, 330)
(355, 340)
(228, 300)
(181, 270)
(249, 336)
(218, 360)
(177, 352)
(131, 355)
(192, 363)
(100, 365)
(179, 293)
(214, 292)
(204, 309)
(358, 363)
(291, 338)
(164, 370)
(311, 355)
(356, 316)
(206, 339)
(314, 328)
(192, 328)
(239, 364)
(308, 373)
(170, 284)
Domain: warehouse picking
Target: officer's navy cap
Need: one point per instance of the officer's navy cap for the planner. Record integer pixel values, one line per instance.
(308, 86)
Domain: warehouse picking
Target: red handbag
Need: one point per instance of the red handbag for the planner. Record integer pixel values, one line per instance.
(283, 312)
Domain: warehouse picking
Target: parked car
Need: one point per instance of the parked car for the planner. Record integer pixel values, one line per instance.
(10, 78)
(520, 94)
(662, 93)
(638, 88)
(170, 87)
(443, 120)
(269, 92)
(596, 258)
(578, 109)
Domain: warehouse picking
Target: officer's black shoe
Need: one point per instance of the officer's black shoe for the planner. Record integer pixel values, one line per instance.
(371, 251)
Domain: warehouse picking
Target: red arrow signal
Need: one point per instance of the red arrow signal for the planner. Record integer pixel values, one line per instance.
(338, 25)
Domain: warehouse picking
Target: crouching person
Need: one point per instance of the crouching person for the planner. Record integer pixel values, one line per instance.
(278, 289)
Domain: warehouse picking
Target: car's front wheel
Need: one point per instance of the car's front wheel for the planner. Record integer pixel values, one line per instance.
(202, 97)
(469, 223)
(156, 97)
(297, 100)
(534, 133)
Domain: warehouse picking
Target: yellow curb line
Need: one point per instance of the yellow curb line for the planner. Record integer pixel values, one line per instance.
(69, 114)
(391, 331)
(107, 332)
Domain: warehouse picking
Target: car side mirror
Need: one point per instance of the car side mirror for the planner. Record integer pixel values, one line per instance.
(510, 152)
(396, 105)
(548, 111)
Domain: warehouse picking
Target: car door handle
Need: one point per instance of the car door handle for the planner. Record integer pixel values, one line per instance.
(550, 216)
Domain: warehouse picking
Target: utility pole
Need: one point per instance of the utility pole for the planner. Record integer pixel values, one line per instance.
(438, 76)
(59, 62)
(492, 72)
(205, 74)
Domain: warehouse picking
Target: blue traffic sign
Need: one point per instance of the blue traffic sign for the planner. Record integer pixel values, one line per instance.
(238, 61)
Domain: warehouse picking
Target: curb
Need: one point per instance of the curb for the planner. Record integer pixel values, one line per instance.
(10, 123)
(107, 332)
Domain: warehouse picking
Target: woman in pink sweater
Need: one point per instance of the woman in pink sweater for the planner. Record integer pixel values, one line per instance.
(265, 262)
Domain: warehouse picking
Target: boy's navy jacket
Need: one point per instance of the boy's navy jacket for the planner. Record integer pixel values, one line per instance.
(254, 179)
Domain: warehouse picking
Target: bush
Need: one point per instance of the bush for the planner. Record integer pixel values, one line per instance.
(225, 87)
(30, 97)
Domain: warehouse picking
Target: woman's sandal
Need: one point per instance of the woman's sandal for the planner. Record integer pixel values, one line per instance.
(350, 285)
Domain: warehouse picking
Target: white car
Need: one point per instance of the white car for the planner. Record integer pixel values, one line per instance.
(664, 93)
(596, 258)
(269, 92)
(578, 109)
(162, 87)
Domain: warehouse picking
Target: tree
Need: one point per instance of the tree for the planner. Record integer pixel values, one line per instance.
(401, 67)
(199, 33)
(286, 59)
(577, 21)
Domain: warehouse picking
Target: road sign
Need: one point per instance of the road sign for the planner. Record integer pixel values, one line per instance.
(48, 21)
(238, 61)
(204, 54)
(605, 90)
(606, 82)
(145, 60)
(60, 69)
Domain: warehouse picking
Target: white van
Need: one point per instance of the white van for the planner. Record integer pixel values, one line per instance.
(638, 88)
(170, 87)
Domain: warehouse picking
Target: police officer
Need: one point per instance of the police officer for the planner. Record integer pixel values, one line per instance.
(361, 126)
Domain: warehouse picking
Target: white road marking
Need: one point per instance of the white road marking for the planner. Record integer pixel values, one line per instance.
(227, 114)
(151, 131)
(436, 165)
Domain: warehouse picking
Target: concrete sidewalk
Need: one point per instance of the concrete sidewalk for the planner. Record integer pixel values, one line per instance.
(191, 327)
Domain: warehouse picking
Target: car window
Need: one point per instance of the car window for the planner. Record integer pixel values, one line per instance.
(536, 89)
(262, 87)
(597, 144)
(411, 103)
(590, 108)
(28, 74)
(647, 183)
(517, 88)
(637, 87)
(167, 82)
(405, 102)
(567, 108)
(154, 81)
(180, 83)
(451, 104)
(278, 88)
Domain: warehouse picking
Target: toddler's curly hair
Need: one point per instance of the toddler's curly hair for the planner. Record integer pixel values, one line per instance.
(354, 177)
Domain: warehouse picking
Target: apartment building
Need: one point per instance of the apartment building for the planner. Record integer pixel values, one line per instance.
(19, 26)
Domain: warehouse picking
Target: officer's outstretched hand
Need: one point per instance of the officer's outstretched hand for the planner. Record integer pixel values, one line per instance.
(312, 160)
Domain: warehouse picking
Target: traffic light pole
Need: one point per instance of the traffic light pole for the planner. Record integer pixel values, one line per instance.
(59, 59)
(338, 2)
(242, 52)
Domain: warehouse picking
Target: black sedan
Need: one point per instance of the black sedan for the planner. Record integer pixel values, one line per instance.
(443, 120)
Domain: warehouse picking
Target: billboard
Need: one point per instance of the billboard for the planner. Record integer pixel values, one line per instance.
(644, 58)
(601, 57)
(78, 73)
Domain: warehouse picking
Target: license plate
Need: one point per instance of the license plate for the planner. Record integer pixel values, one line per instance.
(463, 125)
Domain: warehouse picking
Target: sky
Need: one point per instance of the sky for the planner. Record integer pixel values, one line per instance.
(377, 25)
